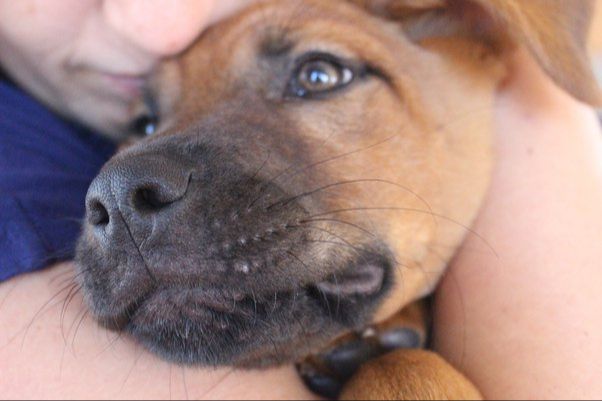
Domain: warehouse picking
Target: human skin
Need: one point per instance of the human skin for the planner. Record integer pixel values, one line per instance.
(519, 310)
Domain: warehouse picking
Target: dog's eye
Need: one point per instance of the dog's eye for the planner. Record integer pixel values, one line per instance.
(144, 125)
(317, 75)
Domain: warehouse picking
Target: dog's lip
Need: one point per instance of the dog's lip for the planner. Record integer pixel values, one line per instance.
(221, 302)
(365, 279)
(362, 279)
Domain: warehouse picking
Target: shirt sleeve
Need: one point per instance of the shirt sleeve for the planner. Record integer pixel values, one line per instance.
(46, 166)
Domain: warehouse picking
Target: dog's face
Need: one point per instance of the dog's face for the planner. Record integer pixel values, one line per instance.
(318, 172)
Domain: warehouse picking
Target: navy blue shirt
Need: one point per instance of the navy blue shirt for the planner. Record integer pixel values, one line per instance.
(46, 166)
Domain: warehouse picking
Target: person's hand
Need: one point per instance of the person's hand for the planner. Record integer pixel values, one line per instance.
(521, 314)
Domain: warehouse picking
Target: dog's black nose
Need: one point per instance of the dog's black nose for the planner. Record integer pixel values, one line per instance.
(137, 192)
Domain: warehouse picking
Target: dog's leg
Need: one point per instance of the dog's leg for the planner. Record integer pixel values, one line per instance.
(385, 362)
(409, 375)
(328, 371)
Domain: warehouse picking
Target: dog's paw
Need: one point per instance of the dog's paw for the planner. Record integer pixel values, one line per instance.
(327, 372)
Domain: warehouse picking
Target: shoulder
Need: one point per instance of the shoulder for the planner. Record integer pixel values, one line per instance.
(32, 136)
(46, 166)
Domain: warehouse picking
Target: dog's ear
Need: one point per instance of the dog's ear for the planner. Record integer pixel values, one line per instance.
(554, 31)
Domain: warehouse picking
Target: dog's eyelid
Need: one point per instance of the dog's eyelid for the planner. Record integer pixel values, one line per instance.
(376, 71)
(317, 74)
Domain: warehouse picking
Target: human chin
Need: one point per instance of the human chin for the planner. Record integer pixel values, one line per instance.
(109, 116)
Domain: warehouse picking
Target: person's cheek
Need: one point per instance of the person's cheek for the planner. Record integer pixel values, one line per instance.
(36, 38)
(42, 24)
(158, 27)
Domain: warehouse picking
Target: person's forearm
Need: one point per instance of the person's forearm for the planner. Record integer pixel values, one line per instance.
(52, 349)
(528, 322)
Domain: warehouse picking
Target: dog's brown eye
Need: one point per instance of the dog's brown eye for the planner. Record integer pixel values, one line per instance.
(319, 75)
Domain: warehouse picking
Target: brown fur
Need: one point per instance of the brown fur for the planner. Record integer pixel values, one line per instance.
(409, 375)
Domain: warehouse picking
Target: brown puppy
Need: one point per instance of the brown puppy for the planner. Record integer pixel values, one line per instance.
(318, 165)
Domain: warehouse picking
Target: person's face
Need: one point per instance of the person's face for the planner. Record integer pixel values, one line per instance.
(89, 59)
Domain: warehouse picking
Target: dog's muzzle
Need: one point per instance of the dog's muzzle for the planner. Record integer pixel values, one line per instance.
(207, 262)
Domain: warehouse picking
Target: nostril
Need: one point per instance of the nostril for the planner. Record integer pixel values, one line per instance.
(98, 214)
(156, 195)
(149, 199)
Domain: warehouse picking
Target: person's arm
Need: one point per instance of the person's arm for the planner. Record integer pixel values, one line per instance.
(50, 348)
(527, 323)
(51, 351)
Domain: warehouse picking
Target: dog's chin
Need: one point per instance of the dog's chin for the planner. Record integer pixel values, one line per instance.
(210, 327)
(194, 327)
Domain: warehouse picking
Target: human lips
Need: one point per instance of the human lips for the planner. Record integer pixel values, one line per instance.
(129, 85)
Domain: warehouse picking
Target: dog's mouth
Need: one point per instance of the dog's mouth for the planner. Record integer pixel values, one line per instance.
(208, 326)
(367, 279)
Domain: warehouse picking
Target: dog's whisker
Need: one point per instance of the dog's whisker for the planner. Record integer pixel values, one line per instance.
(439, 127)
(288, 252)
(170, 380)
(275, 347)
(339, 237)
(411, 210)
(68, 299)
(320, 241)
(79, 324)
(206, 393)
(336, 283)
(326, 302)
(61, 274)
(111, 342)
(254, 307)
(131, 370)
(351, 182)
(67, 281)
(311, 166)
(38, 313)
(78, 220)
(260, 168)
(338, 221)
(304, 336)
(83, 311)
(458, 118)
(57, 255)
(76, 276)
(461, 300)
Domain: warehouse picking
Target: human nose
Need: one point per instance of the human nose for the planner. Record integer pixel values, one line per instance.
(159, 27)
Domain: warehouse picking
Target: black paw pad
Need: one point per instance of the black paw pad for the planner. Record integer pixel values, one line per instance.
(346, 359)
(325, 385)
(399, 338)
(325, 374)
